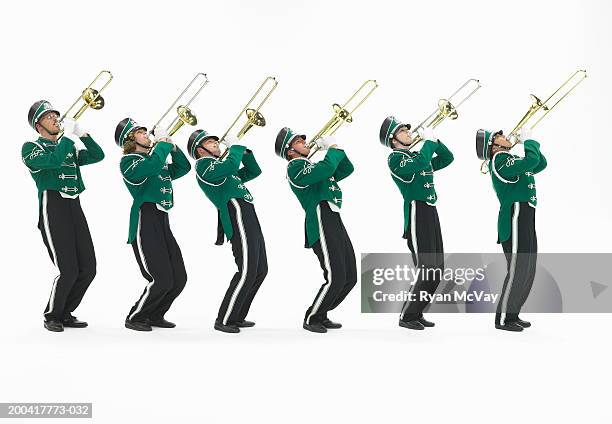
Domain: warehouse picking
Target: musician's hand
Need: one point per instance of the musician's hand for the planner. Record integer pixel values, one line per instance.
(525, 134)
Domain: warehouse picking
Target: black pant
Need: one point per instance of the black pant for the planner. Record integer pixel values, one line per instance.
(161, 263)
(65, 233)
(337, 258)
(425, 242)
(521, 255)
(249, 251)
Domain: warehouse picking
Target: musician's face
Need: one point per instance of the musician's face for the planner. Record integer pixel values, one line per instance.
(299, 145)
(403, 135)
(501, 140)
(212, 146)
(50, 123)
(142, 137)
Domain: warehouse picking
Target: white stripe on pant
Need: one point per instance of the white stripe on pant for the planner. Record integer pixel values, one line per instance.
(515, 217)
(415, 245)
(245, 261)
(144, 297)
(326, 286)
(50, 241)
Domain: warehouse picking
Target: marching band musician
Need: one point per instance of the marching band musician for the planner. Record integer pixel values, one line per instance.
(148, 178)
(55, 166)
(316, 187)
(223, 181)
(413, 174)
(514, 183)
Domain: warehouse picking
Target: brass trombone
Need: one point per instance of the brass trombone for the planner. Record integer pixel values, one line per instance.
(342, 114)
(538, 105)
(254, 116)
(545, 106)
(90, 96)
(447, 108)
(184, 115)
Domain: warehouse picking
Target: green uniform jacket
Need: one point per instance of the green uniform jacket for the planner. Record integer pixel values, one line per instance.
(222, 180)
(513, 181)
(313, 183)
(413, 172)
(56, 166)
(149, 179)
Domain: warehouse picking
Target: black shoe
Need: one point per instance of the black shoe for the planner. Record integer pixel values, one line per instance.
(226, 328)
(162, 323)
(413, 325)
(73, 322)
(244, 324)
(137, 325)
(524, 324)
(328, 323)
(54, 326)
(315, 328)
(509, 326)
(426, 323)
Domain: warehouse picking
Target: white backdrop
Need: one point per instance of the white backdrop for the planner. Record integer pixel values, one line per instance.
(320, 52)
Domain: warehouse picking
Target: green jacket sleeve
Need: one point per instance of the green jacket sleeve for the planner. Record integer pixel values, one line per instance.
(508, 166)
(444, 157)
(36, 158)
(310, 173)
(250, 169)
(403, 166)
(541, 165)
(215, 171)
(180, 164)
(136, 170)
(344, 169)
(91, 154)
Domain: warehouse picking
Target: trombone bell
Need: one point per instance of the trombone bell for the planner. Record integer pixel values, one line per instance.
(92, 99)
(184, 116)
(254, 118)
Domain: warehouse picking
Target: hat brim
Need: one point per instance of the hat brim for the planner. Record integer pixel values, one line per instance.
(399, 127)
(208, 137)
(296, 136)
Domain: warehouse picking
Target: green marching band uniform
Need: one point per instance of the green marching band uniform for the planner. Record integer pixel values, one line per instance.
(413, 174)
(513, 180)
(315, 184)
(55, 167)
(223, 182)
(148, 177)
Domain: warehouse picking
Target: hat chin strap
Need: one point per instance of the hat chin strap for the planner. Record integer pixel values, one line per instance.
(148, 148)
(403, 144)
(208, 151)
(291, 149)
(49, 132)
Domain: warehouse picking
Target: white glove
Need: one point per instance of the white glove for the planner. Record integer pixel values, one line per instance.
(78, 131)
(427, 134)
(525, 134)
(160, 134)
(69, 125)
(325, 141)
(230, 140)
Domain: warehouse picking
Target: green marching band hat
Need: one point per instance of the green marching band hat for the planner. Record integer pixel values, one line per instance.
(124, 128)
(195, 139)
(388, 128)
(283, 140)
(37, 110)
(484, 143)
